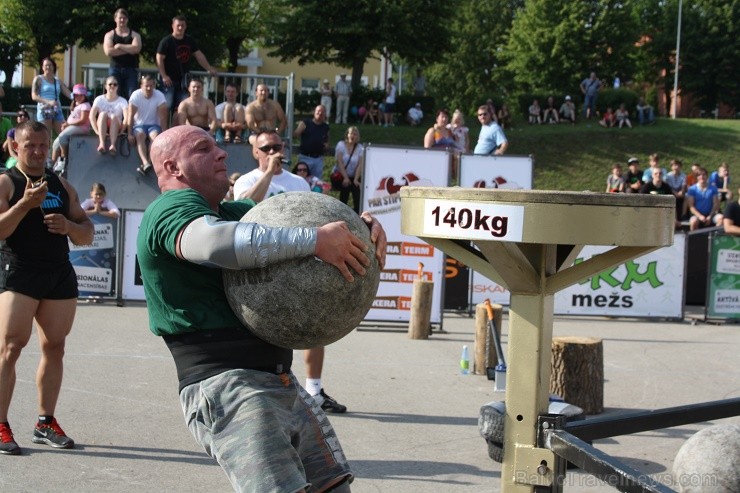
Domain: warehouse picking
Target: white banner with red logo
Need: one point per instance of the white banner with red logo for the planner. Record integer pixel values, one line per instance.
(507, 172)
(386, 170)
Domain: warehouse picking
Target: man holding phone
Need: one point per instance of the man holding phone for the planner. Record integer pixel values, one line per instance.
(39, 212)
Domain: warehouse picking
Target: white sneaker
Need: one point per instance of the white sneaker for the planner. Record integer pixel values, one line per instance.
(60, 165)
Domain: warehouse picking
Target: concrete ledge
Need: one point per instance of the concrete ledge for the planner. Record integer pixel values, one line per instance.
(127, 188)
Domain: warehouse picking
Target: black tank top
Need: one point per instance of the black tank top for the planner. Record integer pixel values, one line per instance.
(124, 61)
(31, 241)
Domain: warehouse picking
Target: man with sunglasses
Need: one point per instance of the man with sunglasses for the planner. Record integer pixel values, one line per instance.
(240, 400)
(39, 213)
(269, 178)
(491, 139)
(262, 183)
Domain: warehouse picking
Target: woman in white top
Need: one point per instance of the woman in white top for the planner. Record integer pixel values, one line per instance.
(350, 155)
(106, 115)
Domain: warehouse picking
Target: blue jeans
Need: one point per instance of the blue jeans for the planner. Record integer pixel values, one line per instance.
(315, 165)
(645, 114)
(128, 79)
(174, 94)
(590, 102)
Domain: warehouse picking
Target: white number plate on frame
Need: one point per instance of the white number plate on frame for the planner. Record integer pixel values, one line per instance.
(471, 220)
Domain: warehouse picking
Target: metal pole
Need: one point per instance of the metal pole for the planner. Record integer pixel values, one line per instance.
(678, 49)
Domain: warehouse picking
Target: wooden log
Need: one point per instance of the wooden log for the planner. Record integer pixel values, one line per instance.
(421, 309)
(484, 348)
(578, 372)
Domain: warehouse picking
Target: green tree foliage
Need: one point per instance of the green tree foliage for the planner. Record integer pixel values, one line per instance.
(709, 64)
(223, 34)
(11, 52)
(654, 60)
(153, 21)
(244, 25)
(554, 44)
(348, 33)
(43, 26)
(470, 72)
(709, 53)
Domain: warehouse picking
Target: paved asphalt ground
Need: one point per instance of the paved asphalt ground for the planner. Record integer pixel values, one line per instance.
(412, 420)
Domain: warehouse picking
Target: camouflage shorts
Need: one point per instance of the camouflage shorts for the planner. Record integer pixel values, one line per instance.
(265, 431)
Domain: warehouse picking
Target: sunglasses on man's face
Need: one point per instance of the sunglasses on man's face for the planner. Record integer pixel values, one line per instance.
(273, 147)
(302, 170)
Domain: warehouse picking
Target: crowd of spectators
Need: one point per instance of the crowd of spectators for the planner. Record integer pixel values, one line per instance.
(700, 197)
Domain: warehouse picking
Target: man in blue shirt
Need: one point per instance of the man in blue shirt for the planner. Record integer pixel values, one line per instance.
(491, 139)
(703, 200)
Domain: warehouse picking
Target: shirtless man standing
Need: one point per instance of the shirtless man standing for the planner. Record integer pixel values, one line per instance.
(263, 114)
(197, 110)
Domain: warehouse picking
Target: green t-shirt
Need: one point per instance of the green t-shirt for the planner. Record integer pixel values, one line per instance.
(5, 125)
(182, 296)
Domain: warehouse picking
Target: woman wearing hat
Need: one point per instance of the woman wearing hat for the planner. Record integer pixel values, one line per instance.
(78, 123)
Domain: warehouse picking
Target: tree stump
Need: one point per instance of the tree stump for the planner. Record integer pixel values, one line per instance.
(421, 309)
(577, 372)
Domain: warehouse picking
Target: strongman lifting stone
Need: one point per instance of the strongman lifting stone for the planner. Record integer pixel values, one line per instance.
(302, 303)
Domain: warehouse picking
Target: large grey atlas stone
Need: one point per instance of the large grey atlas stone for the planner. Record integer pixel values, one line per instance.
(302, 303)
(709, 461)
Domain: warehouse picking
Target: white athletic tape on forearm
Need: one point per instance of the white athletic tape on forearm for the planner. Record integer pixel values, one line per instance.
(235, 245)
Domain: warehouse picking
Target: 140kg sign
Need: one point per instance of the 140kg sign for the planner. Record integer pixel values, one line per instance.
(469, 220)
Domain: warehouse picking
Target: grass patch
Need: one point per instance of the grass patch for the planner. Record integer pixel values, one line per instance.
(580, 157)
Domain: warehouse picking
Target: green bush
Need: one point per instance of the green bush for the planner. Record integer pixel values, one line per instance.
(614, 97)
(305, 103)
(361, 95)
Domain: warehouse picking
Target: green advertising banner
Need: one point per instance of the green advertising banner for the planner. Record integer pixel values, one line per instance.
(723, 298)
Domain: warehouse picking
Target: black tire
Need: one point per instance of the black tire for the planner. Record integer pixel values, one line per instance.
(491, 424)
(496, 451)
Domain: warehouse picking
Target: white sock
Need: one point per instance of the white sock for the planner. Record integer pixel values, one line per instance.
(313, 385)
